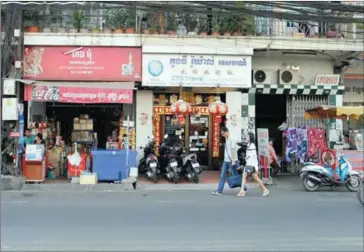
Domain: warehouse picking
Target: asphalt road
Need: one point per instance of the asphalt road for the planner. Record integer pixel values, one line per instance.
(181, 220)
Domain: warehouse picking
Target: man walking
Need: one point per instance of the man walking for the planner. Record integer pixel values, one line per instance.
(230, 160)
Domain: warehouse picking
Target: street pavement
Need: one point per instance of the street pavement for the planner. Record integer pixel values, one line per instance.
(181, 220)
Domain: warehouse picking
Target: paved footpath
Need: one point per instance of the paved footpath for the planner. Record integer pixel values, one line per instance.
(181, 220)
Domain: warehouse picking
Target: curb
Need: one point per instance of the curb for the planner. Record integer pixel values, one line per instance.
(11, 183)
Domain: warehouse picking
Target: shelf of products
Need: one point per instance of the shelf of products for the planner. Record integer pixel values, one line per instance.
(82, 129)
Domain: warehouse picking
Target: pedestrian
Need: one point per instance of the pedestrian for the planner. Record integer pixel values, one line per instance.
(273, 159)
(252, 161)
(230, 160)
(39, 139)
(28, 138)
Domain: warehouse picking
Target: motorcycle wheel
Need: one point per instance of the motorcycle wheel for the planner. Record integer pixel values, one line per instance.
(309, 185)
(155, 179)
(196, 178)
(360, 195)
(354, 183)
(176, 179)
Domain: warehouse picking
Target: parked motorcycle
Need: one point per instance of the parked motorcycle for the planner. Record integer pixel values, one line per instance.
(315, 176)
(149, 163)
(191, 168)
(170, 158)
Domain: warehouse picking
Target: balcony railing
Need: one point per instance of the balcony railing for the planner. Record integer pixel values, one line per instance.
(98, 19)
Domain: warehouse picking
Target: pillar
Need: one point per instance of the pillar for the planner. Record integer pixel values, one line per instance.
(144, 119)
(336, 126)
(247, 113)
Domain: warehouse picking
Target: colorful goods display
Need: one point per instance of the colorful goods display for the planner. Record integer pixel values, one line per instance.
(306, 142)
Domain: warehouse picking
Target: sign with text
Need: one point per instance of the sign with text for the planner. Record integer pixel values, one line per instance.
(82, 63)
(77, 94)
(327, 79)
(263, 149)
(176, 70)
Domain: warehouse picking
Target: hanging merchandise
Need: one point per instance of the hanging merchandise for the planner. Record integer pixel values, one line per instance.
(316, 142)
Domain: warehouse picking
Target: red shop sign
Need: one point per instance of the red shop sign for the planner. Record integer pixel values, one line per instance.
(78, 95)
(82, 63)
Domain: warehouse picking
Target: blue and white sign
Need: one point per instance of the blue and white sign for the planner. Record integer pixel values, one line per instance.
(174, 70)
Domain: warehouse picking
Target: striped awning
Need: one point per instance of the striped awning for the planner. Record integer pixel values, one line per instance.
(297, 89)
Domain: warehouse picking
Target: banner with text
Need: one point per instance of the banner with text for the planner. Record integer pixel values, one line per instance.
(84, 63)
(196, 70)
(78, 95)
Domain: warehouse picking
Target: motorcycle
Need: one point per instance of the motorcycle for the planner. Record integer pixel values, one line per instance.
(149, 163)
(191, 168)
(170, 155)
(315, 176)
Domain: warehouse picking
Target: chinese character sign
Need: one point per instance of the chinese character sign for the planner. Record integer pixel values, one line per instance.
(196, 70)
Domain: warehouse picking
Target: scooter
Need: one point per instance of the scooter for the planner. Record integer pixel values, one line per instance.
(191, 168)
(170, 155)
(315, 176)
(149, 163)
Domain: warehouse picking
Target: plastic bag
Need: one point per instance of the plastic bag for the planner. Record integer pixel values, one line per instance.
(75, 159)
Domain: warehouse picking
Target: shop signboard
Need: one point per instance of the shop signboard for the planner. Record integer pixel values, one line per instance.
(263, 149)
(327, 79)
(86, 63)
(174, 70)
(215, 138)
(77, 94)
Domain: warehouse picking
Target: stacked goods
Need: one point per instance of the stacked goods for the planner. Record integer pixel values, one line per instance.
(82, 129)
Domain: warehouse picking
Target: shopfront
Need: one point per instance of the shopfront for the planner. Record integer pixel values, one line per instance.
(82, 95)
(199, 80)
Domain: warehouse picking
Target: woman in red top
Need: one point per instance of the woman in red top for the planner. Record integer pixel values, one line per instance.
(273, 159)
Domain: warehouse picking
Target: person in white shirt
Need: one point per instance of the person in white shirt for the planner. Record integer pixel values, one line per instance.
(252, 161)
(230, 160)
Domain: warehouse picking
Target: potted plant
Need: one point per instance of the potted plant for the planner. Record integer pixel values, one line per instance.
(117, 20)
(31, 20)
(215, 27)
(130, 21)
(155, 28)
(192, 25)
(171, 24)
(77, 21)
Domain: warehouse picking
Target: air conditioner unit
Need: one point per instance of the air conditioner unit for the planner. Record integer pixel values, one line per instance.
(288, 77)
(261, 76)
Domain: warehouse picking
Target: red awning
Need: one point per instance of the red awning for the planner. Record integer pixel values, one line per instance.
(79, 92)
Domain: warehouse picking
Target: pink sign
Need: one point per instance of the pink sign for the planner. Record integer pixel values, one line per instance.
(84, 63)
(78, 95)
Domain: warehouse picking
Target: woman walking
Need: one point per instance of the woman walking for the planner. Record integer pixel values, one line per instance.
(252, 161)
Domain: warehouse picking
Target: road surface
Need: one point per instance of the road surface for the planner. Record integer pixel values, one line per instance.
(287, 220)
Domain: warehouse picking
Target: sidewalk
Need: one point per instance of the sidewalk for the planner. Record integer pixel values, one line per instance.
(208, 181)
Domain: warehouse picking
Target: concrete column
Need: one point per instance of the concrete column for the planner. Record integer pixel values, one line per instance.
(247, 113)
(336, 126)
(144, 119)
(233, 100)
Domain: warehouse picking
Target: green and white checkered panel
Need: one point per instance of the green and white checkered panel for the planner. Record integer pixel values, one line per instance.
(297, 90)
(247, 113)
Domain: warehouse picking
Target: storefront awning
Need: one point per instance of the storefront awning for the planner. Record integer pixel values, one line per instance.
(78, 92)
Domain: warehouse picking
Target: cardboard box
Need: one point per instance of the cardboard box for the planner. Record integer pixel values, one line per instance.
(76, 126)
(83, 126)
(89, 126)
(83, 121)
(88, 179)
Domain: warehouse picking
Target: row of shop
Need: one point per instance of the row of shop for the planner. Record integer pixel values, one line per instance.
(95, 96)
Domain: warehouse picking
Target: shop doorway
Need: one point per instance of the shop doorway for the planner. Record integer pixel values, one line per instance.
(270, 113)
(105, 119)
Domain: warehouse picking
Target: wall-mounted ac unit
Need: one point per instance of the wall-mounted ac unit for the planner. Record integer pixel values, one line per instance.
(288, 77)
(261, 76)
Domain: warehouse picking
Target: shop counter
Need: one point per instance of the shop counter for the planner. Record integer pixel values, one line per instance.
(110, 165)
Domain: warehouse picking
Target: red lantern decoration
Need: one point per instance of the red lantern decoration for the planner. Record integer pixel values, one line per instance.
(218, 108)
(181, 107)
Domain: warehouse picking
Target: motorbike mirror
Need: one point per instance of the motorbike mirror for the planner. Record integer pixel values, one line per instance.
(141, 147)
(180, 137)
(165, 136)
